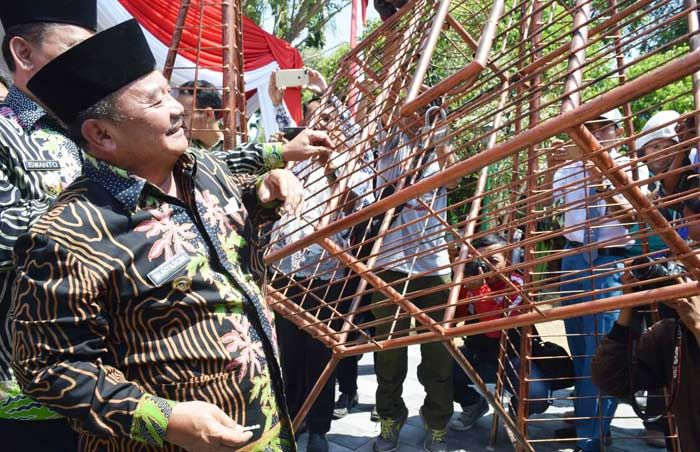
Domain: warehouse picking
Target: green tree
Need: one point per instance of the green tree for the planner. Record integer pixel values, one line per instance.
(293, 17)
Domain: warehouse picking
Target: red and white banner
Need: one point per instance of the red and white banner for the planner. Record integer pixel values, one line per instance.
(262, 52)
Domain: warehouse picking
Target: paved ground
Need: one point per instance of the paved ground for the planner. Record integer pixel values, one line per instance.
(355, 432)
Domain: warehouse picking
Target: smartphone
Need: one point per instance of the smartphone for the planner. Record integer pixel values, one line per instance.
(292, 77)
(289, 133)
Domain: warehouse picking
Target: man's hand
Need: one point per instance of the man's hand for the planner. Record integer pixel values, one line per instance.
(317, 84)
(276, 93)
(559, 153)
(306, 145)
(203, 427)
(284, 186)
(688, 310)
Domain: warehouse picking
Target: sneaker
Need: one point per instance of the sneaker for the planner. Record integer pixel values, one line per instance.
(374, 416)
(434, 438)
(345, 403)
(470, 415)
(388, 439)
(317, 443)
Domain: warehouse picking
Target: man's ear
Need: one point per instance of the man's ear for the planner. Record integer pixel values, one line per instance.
(21, 51)
(100, 142)
(211, 114)
(619, 131)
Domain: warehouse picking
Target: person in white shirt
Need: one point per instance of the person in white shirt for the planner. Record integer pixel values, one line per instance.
(415, 245)
(572, 184)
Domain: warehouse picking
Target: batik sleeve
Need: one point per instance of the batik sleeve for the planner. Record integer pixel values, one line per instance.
(60, 326)
(253, 158)
(282, 117)
(16, 214)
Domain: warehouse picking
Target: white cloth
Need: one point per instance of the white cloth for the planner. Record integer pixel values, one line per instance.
(574, 194)
(399, 245)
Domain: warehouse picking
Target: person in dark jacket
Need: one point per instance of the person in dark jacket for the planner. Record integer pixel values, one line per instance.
(653, 366)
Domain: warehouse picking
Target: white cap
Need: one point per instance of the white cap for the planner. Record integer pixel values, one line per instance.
(668, 131)
(613, 116)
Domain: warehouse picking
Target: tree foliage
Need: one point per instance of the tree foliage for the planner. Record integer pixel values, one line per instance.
(295, 19)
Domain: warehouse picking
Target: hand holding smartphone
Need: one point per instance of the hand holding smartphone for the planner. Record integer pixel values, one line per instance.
(292, 78)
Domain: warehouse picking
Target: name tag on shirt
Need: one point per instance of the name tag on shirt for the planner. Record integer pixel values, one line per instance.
(41, 165)
(169, 268)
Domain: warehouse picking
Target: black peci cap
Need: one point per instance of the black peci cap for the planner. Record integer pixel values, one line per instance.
(92, 70)
(82, 13)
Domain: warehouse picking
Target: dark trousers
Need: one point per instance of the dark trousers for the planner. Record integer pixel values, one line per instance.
(347, 370)
(391, 366)
(346, 373)
(37, 436)
(304, 358)
(485, 362)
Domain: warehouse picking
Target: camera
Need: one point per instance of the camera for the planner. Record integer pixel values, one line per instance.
(654, 270)
(475, 267)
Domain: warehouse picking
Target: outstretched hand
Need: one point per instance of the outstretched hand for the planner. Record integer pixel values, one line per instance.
(306, 145)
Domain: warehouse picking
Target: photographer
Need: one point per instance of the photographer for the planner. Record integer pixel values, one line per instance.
(482, 350)
(652, 365)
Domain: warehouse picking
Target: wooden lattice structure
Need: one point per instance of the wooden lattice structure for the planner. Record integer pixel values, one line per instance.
(491, 84)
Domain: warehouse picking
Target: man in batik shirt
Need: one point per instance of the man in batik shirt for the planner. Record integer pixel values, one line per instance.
(135, 314)
(38, 160)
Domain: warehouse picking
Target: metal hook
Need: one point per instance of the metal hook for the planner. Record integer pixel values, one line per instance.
(442, 114)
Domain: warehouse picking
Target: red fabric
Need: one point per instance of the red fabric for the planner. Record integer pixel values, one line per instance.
(259, 47)
(490, 304)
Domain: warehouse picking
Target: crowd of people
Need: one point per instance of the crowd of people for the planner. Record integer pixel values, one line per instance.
(131, 281)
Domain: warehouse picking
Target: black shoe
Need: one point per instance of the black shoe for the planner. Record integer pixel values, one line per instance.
(317, 443)
(345, 403)
(374, 416)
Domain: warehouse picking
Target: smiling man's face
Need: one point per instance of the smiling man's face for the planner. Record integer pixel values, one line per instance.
(150, 132)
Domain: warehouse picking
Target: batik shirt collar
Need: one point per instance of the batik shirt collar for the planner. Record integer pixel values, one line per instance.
(27, 111)
(125, 187)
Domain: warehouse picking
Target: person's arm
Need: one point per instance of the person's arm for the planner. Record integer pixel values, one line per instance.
(282, 115)
(610, 369)
(16, 214)
(60, 330)
(256, 158)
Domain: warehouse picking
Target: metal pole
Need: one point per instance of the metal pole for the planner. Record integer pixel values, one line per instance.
(646, 83)
(177, 37)
(515, 321)
(479, 383)
(413, 103)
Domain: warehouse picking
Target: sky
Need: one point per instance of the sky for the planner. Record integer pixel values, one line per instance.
(341, 32)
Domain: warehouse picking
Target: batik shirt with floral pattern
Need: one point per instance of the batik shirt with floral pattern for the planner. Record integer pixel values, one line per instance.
(130, 301)
(36, 161)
